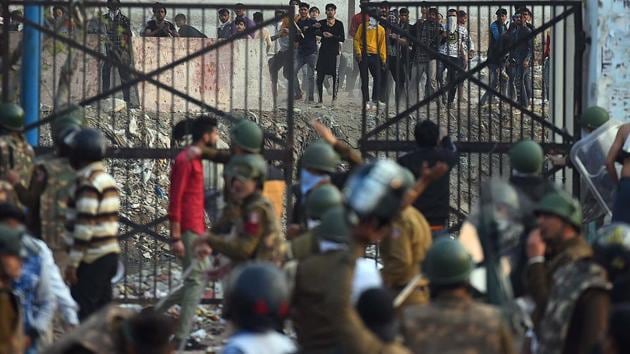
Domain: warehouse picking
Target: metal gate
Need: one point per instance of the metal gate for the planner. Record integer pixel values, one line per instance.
(483, 134)
(163, 81)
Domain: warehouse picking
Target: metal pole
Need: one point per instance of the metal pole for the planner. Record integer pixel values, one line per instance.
(31, 54)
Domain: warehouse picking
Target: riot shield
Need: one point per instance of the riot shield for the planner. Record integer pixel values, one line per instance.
(588, 155)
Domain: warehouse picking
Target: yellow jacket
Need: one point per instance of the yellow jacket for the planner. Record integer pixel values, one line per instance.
(375, 39)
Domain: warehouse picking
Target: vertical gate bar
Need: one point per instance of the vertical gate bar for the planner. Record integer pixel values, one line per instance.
(578, 88)
(544, 83)
(363, 73)
(245, 96)
(231, 74)
(31, 65)
(5, 48)
(260, 73)
(564, 85)
(288, 173)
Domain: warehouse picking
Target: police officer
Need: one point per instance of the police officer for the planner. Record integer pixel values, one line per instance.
(320, 200)
(246, 137)
(404, 248)
(569, 289)
(15, 153)
(526, 159)
(429, 328)
(612, 251)
(324, 318)
(256, 232)
(257, 303)
(47, 195)
(318, 163)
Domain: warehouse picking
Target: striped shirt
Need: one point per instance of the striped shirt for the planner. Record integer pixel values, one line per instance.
(92, 215)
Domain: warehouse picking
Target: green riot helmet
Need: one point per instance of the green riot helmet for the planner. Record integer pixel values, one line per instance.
(321, 199)
(74, 118)
(11, 241)
(448, 263)
(247, 135)
(335, 226)
(500, 208)
(612, 249)
(376, 190)
(250, 166)
(594, 117)
(320, 156)
(11, 117)
(256, 297)
(562, 205)
(527, 157)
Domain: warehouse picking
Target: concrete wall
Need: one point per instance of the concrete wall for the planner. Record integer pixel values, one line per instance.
(235, 76)
(608, 27)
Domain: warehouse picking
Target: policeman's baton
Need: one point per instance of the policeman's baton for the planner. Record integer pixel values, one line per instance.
(404, 294)
(184, 275)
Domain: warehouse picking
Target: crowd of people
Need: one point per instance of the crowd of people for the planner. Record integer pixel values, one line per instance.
(383, 53)
(548, 286)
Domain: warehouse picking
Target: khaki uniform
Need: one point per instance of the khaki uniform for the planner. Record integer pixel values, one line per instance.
(451, 325)
(11, 323)
(255, 235)
(402, 252)
(302, 246)
(99, 334)
(46, 199)
(324, 319)
(16, 154)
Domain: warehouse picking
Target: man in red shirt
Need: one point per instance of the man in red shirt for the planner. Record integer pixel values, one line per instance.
(357, 20)
(186, 215)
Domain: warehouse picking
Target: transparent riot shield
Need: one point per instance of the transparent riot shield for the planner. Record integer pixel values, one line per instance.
(588, 155)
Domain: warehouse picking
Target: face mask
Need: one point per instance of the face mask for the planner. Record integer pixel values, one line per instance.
(309, 180)
(311, 223)
(373, 23)
(452, 23)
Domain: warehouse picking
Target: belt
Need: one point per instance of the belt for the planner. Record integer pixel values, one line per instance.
(436, 228)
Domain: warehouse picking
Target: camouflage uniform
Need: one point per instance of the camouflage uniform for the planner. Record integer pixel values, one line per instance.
(255, 235)
(403, 250)
(450, 325)
(99, 334)
(302, 246)
(570, 282)
(7, 193)
(46, 199)
(16, 154)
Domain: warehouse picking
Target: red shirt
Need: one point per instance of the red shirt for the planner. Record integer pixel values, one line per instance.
(356, 21)
(186, 203)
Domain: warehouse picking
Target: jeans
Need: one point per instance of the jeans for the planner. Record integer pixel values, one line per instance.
(189, 295)
(373, 65)
(418, 69)
(621, 208)
(497, 82)
(351, 78)
(277, 62)
(451, 75)
(518, 92)
(124, 57)
(397, 68)
(310, 61)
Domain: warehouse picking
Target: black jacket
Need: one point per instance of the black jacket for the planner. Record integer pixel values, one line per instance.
(434, 202)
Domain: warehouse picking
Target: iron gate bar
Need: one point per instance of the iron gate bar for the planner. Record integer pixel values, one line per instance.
(153, 223)
(130, 153)
(477, 3)
(462, 146)
(148, 5)
(468, 75)
(139, 76)
(143, 229)
(5, 54)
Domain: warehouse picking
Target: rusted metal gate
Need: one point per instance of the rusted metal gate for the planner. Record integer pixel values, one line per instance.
(483, 134)
(167, 84)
